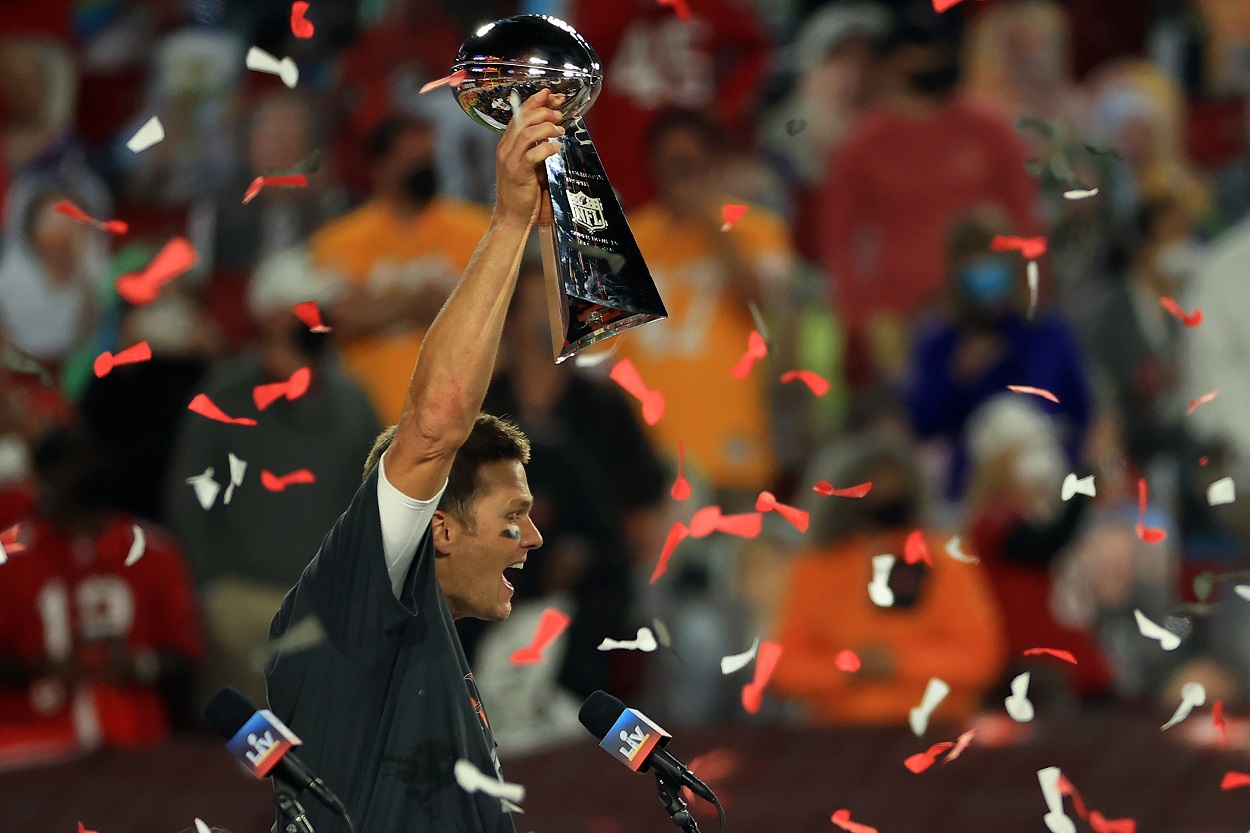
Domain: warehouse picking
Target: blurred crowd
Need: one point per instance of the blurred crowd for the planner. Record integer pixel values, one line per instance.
(881, 150)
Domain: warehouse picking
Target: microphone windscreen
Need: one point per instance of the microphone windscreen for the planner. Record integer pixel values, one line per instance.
(599, 713)
(228, 711)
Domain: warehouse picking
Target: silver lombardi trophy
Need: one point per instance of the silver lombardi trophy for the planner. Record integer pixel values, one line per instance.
(597, 282)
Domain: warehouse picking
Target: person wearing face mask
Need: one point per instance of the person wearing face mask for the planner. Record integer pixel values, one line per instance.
(398, 256)
(917, 159)
(988, 341)
(919, 620)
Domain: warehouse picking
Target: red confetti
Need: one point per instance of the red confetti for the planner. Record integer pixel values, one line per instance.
(818, 385)
(915, 548)
(1105, 825)
(1030, 247)
(1191, 319)
(1202, 461)
(940, 6)
(106, 361)
(1233, 780)
(293, 388)
(842, 818)
(711, 768)
(9, 540)
(676, 534)
(681, 486)
(826, 488)
(1066, 656)
(709, 519)
(765, 663)
(921, 761)
(757, 349)
(731, 214)
(798, 518)
(83, 829)
(960, 745)
(1042, 392)
(847, 660)
(1217, 717)
(75, 213)
(1202, 400)
(453, 80)
(550, 626)
(204, 406)
(260, 182)
(1067, 788)
(679, 6)
(174, 259)
(310, 314)
(1148, 534)
(628, 377)
(274, 483)
(300, 26)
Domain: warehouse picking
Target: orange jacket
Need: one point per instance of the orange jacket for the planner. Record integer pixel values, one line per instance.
(953, 632)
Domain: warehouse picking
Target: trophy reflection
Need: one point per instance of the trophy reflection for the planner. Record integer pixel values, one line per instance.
(597, 282)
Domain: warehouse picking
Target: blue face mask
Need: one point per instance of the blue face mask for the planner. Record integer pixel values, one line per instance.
(987, 281)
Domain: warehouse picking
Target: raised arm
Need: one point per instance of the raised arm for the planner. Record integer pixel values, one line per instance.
(458, 354)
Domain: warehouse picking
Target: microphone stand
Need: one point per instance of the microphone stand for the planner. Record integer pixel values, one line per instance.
(670, 797)
(296, 817)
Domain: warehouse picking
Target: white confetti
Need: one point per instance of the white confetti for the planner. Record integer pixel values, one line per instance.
(661, 633)
(1072, 485)
(1056, 820)
(736, 662)
(1018, 705)
(1192, 696)
(261, 61)
(934, 693)
(206, 488)
(1031, 271)
(238, 468)
(137, 547)
(596, 359)
(1167, 640)
(645, 642)
(151, 133)
(1242, 590)
(201, 827)
(514, 98)
(1079, 193)
(954, 548)
(1221, 492)
(879, 589)
(471, 779)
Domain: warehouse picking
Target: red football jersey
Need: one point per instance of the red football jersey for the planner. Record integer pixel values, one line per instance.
(64, 596)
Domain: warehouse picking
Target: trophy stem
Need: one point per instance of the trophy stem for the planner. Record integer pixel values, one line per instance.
(551, 280)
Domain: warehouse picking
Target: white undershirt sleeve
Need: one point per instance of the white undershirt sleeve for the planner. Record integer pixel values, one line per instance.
(404, 521)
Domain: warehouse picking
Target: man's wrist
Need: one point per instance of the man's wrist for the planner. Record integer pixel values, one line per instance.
(509, 222)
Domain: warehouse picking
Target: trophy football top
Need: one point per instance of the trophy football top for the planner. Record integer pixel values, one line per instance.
(526, 53)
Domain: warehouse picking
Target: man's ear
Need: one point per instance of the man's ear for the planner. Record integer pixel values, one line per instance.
(443, 530)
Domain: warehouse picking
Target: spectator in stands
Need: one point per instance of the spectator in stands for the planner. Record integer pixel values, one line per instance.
(653, 61)
(917, 161)
(987, 343)
(248, 552)
(707, 279)
(99, 628)
(398, 256)
(938, 619)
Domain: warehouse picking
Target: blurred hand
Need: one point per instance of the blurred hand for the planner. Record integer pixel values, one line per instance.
(518, 159)
(975, 354)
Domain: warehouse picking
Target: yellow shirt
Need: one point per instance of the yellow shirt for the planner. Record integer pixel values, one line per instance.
(723, 422)
(372, 247)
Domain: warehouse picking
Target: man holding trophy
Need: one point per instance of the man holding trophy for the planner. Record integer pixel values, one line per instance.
(386, 704)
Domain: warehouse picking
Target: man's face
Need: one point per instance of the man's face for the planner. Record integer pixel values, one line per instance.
(678, 159)
(472, 559)
(413, 151)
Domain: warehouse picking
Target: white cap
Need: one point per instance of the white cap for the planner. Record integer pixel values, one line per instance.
(288, 278)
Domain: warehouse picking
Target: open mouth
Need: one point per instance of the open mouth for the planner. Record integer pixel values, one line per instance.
(519, 565)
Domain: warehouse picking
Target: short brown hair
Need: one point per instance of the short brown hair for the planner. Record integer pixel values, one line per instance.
(492, 440)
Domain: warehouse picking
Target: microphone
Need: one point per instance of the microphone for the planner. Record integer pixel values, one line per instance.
(263, 744)
(633, 739)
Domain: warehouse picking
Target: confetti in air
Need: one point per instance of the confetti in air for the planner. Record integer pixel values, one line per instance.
(9, 543)
(1056, 820)
(1148, 534)
(151, 133)
(471, 780)
(1042, 392)
(627, 376)
(1031, 248)
(204, 406)
(934, 693)
(206, 488)
(1201, 400)
(679, 8)
(106, 361)
(1233, 780)
(75, 213)
(731, 214)
(293, 388)
(310, 314)
(137, 546)
(238, 468)
(1030, 271)
(83, 829)
(1019, 707)
(798, 518)
(259, 60)
(201, 827)
(940, 6)
(1080, 193)
(644, 642)
(921, 761)
(766, 660)
(262, 182)
(1217, 720)
(757, 349)
(1066, 656)
(916, 548)
(676, 534)
(954, 548)
(1242, 590)
(1221, 492)
(827, 489)
(1192, 696)
(960, 745)
(813, 381)
(681, 486)
(175, 258)
(1168, 641)
(301, 26)
(879, 591)
(274, 483)
(1189, 319)
(1072, 485)
(846, 660)
(550, 626)
(842, 818)
(453, 80)
(709, 519)
(736, 662)
(584, 359)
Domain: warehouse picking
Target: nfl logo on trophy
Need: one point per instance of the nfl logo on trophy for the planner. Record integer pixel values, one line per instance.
(587, 211)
